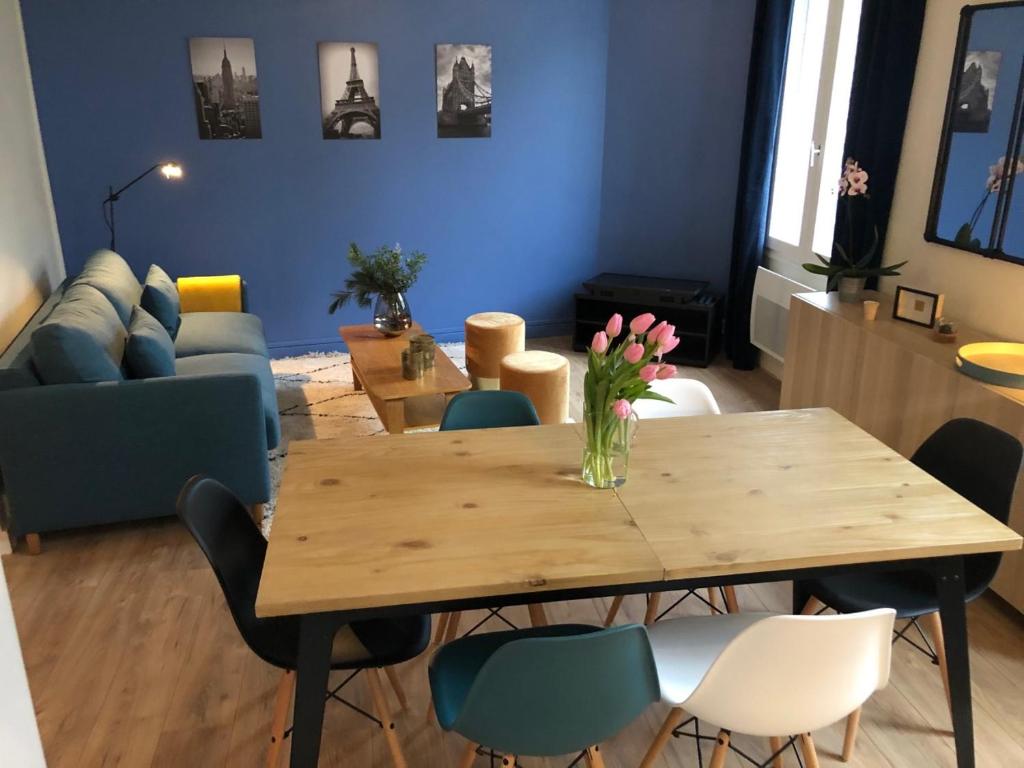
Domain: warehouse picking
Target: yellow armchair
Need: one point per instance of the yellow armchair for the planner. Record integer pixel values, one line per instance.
(216, 293)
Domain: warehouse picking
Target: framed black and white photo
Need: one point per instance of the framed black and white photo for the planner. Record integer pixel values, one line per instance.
(917, 307)
(225, 87)
(349, 90)
(976, 91)
(463, 75)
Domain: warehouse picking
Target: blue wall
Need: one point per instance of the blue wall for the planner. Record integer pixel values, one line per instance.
(677, 75)
(512, 222)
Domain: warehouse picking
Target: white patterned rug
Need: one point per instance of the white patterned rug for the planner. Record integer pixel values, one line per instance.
(316, 399)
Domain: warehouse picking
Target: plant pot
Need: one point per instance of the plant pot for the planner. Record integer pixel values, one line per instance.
(851, 288)
(391, 315)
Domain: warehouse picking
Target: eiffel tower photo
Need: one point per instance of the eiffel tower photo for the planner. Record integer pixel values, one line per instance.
(349, 107)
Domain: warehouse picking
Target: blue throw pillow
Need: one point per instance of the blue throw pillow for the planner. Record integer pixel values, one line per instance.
(160, 299)
(149, 352)
(82, 341)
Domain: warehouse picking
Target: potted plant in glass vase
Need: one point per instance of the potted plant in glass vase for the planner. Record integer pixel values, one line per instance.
(387, 274)
(847, 270)
(617, 376)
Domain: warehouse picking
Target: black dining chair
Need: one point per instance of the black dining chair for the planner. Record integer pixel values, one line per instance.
(487, 409)
(235, 548)
(979, 462)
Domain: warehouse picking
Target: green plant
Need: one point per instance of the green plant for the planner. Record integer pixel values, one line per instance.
(853, 191)
(385, 271)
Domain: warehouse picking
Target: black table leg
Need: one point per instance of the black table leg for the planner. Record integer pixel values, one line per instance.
(800, 596)
(315, 638)
(953, 611)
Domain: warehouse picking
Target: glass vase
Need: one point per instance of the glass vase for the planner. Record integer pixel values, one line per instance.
(606, 454)
(391, 315)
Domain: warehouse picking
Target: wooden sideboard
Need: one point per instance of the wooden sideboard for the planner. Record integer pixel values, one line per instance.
(896, 382)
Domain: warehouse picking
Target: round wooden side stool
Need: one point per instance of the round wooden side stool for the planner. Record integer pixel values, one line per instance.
(489, 337)
(544, 378)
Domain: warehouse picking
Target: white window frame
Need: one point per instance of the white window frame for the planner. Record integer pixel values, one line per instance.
(785, 257)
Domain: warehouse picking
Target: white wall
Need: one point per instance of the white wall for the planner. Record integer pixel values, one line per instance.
(984, 293)
(31, 263)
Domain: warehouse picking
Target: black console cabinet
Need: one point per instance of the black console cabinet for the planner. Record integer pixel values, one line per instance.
(686, 304)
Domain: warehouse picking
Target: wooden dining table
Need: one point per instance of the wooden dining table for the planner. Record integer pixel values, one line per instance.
(446, 521)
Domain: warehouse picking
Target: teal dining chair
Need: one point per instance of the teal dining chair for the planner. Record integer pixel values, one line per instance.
(489, 409)
(543, 691)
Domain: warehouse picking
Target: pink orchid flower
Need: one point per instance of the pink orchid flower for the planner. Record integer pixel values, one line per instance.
(600, 342)
(614, 327)
(666, 371)
(641, 323)
(622, 409)
(633, 354)
(649, 373)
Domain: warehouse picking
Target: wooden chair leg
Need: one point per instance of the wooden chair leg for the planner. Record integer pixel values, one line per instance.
(812, 606)
(721, 751)
(282, 703)
(468, 756)
(713, 599)
(538, 617)
(33, 543)
(381, 707)
(653, 600)
(594, 758)
(442, 626)
(775, 742)
(810, 753)
(675, 716)
(935, 630)
(453, 626)
(850, 739)
(614, 610)
(396, 686)
(732, 605)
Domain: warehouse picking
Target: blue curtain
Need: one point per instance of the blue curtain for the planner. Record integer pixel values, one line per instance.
(883, 78)
(757, 159)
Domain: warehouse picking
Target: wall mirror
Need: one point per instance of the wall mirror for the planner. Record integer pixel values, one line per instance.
(978, 195)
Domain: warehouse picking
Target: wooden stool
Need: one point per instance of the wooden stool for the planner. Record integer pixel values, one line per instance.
(489, 337)
(544, 378)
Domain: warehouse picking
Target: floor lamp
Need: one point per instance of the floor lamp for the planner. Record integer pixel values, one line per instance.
(170, 171)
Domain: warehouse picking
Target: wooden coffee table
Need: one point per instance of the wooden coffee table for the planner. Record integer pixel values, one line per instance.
(400, 403)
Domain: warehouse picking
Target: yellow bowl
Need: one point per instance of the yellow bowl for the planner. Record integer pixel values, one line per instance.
(994, 362)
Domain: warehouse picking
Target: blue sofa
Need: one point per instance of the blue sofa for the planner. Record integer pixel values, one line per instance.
(79, 448)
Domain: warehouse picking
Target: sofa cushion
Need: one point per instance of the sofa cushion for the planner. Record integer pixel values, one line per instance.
(160, 299)
(234, 362)
(204, 333)
(81, 341)
(110, 274)
(149, 351)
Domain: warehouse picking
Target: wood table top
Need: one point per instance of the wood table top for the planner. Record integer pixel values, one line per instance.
(378, 360)
(757, 492)
(418, 518)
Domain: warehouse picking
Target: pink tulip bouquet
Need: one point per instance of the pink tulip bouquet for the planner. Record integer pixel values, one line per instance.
(617, 376)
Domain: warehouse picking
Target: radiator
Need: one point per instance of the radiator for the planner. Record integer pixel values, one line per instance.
(769, 314)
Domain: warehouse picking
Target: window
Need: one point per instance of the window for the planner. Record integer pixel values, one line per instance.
(812, 130)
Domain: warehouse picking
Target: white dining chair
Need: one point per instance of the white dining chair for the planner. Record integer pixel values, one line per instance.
(689, 398)
(768, 675)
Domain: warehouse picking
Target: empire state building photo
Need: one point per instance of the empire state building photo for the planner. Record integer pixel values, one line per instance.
(225, 87)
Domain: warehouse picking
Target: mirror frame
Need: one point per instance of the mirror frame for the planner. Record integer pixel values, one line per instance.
(1013, 146)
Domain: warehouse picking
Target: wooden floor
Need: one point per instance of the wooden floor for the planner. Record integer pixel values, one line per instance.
(133, 660)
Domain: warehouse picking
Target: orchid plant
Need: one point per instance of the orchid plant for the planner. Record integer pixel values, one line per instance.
(845, 261)
(998, 174)
(617, 376)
